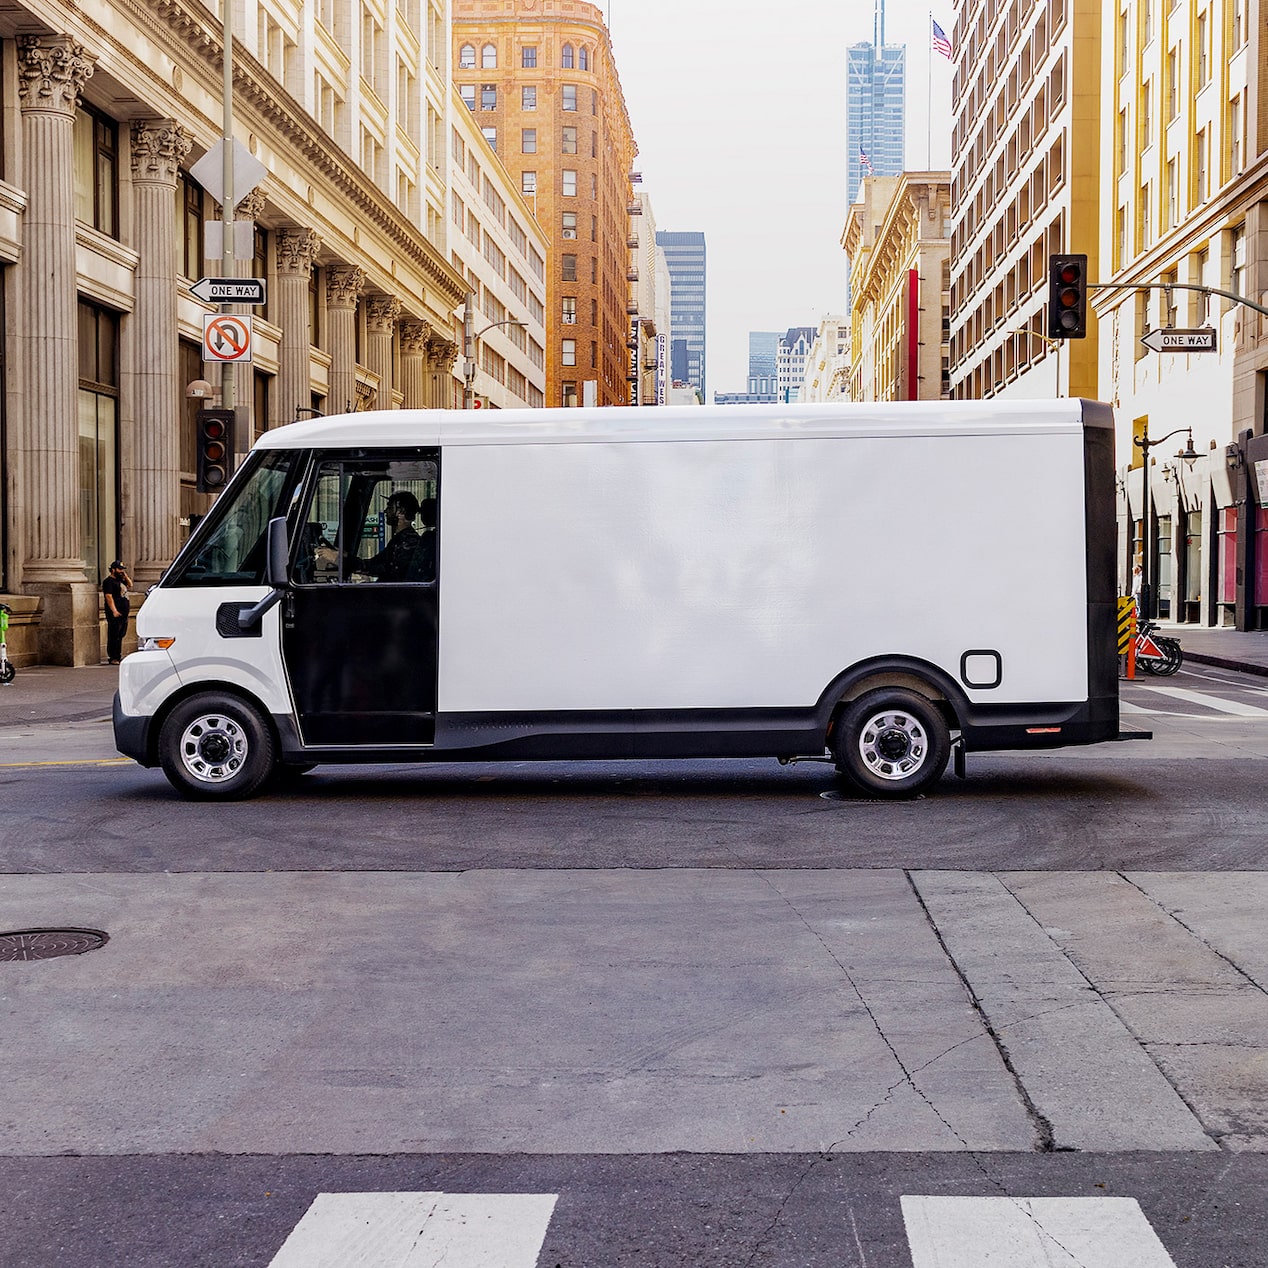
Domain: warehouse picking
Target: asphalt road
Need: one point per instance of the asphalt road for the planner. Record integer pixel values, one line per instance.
(713, 1013)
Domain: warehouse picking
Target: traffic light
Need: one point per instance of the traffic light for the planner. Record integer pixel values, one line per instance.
(1067, 296)
(215, 449)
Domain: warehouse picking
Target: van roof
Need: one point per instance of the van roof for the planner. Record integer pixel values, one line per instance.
(686, 422)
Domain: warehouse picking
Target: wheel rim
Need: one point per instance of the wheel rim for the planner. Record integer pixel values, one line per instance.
(213, 748)
(893, 745)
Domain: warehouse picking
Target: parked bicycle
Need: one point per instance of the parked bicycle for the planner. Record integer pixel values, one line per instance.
(1157, 654)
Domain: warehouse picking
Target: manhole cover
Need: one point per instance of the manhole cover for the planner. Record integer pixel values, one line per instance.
(46, 944)
(856, 799)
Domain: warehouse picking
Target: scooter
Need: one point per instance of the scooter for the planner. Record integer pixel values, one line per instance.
(7, 671)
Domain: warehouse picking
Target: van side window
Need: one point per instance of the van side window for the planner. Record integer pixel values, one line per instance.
(369, 520)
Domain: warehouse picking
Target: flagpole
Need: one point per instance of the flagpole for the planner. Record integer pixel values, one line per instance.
(929, 98)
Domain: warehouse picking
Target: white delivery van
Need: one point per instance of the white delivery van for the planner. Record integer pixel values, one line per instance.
(875, 584)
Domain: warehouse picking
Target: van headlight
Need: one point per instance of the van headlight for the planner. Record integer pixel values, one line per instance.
(155, 644)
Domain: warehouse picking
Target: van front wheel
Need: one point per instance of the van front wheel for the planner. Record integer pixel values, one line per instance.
(891, 742)
(216, 747)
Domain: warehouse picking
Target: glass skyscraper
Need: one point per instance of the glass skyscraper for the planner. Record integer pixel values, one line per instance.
(685, 256)
(876, 107)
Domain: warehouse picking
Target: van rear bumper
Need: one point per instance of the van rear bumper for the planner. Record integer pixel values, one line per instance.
(1031, 726)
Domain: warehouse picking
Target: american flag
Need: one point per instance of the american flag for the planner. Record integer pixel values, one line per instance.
(940, 42)
(865, 163)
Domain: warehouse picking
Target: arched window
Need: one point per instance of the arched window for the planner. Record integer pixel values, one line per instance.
(489, 56)
(466, 57)
(566, 59)
(583, 58)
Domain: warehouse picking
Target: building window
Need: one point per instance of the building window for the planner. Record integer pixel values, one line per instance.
(1240, 31)
(1124, 140)
(570, 97)
(528, 56)
(466, 57)
(568, 354)
(1201, 151)
(1237, 259)
(569, 264)
(570, 224)
(528, 141)
(1173, 193)
(488, 97)
(528, 97)
(1204, 48)
(1146, 115)
(96, 171)
(1173, 84)
(570, 141)
(1145, 213)
(98, 437)
(489, 57)
(467, 93)
(491, 136)
(583, 58)
(1237, 134)
(568, 395)
(570, 183)
(566, 58)
(594, 184)
(569, 315)
(190, 194)
(528, 182)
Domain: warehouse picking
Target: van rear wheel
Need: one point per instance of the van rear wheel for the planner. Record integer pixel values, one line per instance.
(891, 742)
(215, 747)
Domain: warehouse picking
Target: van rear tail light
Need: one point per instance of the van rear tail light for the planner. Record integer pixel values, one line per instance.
(1043, 730)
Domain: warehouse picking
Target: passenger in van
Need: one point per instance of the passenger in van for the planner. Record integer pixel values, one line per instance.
(408, 555)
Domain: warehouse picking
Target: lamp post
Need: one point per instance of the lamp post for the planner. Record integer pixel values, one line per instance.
(1187, 454)
(470, 341)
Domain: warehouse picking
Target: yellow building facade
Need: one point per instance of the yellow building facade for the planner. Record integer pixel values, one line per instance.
(1185, 170)
(896, 241)
(1026, 141)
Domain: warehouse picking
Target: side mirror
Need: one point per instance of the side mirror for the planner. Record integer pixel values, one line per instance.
(277, 551)
(278, 554)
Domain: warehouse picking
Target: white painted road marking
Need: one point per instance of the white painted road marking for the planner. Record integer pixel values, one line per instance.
(1211, 702)
(1031, 1233)
(419, 1230)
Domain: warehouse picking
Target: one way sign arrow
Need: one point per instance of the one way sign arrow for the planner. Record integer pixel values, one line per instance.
(229, 290)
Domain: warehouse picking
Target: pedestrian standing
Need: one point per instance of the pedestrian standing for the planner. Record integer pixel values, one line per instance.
(115, 588)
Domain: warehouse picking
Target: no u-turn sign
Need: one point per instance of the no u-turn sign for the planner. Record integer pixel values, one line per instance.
(226, 337)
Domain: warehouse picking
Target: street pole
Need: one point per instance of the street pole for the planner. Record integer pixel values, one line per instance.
(227, 203)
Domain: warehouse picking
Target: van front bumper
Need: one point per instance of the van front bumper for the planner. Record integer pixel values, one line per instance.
(132, 734)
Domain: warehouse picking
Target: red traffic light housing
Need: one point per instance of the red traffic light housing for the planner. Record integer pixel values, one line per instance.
(214, 442)
(1067, 296)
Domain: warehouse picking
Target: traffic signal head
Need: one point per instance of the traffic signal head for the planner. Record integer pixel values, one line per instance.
(1067, 296)
(215, 449)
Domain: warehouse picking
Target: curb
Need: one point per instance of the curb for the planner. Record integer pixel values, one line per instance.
(1226, 662)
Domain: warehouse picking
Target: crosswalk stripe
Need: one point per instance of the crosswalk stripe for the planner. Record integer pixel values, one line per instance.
(945, 1232)
(419, 1230)
(1211, 702)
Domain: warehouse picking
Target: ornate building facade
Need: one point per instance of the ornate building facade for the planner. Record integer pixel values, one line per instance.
(103, 231)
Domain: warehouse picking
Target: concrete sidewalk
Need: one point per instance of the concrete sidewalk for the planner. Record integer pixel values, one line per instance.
(53, 693)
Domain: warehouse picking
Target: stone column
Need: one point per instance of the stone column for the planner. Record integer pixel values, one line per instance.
(52, 70)
(381, 316)
(414, 380)
(441, 355)
(151, 463)
(249, 428)
(343, 288)
(296, 252)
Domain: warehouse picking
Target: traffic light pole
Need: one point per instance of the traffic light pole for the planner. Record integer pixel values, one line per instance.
(1178, 286)
(228, 203)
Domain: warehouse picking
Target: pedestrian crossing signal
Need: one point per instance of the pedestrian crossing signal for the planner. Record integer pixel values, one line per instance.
(1067, 296)
(215, 449)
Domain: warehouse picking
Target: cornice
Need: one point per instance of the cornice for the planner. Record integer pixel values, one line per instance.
(271, 109)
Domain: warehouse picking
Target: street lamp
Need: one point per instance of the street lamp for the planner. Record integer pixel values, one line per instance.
(1187, 454)
(470, 340)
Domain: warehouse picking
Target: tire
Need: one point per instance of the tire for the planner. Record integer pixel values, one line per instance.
(1174, 656)
(891, 742)
(7, 673)
(215, 747)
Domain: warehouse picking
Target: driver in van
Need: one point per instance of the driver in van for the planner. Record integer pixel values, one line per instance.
(399, 560)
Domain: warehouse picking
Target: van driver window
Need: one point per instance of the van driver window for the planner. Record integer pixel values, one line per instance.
(369, 521)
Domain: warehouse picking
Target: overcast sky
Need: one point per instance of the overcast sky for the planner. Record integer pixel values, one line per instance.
(738, 110)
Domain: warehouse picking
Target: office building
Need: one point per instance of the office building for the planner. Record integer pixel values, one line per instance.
(876, 107)
(685, 258)
(540, 79)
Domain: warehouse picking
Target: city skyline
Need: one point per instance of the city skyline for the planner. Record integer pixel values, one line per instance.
(762, 172)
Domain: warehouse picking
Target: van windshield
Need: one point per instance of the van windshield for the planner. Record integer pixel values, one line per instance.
(229, 547)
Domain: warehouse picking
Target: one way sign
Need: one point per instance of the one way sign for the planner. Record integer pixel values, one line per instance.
(229, 290)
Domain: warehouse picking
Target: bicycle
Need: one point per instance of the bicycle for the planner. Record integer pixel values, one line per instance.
(7, 670)
(1157, 654)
